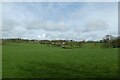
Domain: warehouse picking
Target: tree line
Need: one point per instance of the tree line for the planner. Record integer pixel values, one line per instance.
(108, 41)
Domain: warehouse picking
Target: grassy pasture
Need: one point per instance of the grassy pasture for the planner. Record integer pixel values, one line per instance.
(23, 60)
(0, 61)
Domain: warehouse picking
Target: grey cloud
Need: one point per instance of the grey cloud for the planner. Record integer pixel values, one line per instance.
(48, 26)
(95, 25)
(8, 25)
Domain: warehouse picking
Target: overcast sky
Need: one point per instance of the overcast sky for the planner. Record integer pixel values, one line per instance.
(59, 20)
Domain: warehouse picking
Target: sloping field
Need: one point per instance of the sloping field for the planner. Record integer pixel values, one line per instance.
(23, 60)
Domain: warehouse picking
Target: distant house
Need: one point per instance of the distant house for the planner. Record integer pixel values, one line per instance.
(52, 43)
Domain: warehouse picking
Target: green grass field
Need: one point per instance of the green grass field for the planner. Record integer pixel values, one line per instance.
(0, 61)
(23, 60)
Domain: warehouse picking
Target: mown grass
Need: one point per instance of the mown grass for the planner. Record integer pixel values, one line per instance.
(23, 60)
(0, 61)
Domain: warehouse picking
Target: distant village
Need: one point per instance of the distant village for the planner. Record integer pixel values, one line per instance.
(107, 41)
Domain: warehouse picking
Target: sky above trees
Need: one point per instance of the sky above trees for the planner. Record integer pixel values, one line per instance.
(59, 20)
